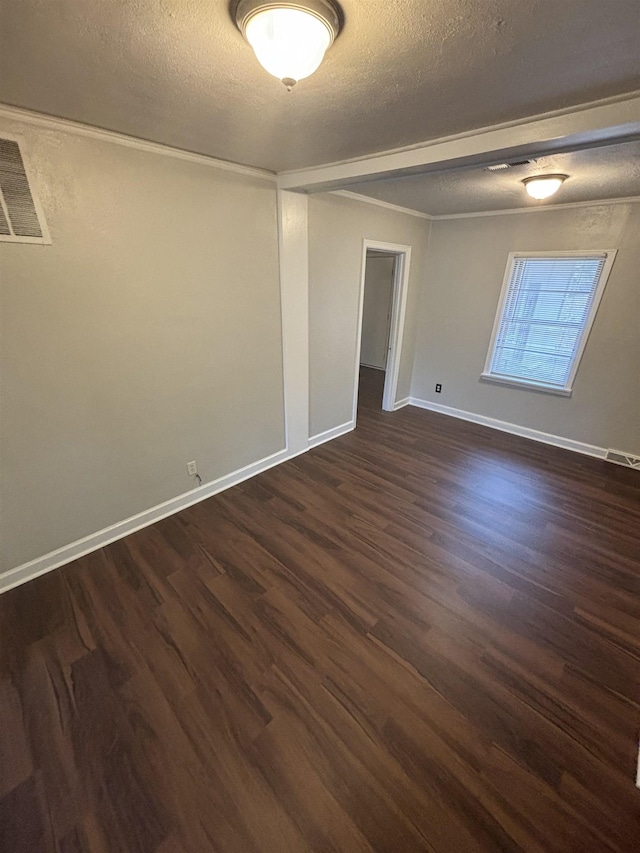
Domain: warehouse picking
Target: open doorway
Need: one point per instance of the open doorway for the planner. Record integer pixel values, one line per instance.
(383, 290)
(376, 327)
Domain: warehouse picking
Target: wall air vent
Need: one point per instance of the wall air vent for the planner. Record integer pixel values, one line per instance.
(623, 459)
(21, 217)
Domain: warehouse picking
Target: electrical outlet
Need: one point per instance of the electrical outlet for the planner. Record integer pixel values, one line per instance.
(192, 469)
(438, 388)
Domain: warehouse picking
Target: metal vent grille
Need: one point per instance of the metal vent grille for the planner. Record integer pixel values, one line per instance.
(500, 166)
(4, 225)
(19, 219)
(623, 459)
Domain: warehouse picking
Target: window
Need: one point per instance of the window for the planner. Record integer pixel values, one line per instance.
(546, 309)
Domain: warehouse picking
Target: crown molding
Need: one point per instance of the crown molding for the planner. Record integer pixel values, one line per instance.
(63, 125)
(30, 117)
(434, 217)
(396, 208)
(543, 209)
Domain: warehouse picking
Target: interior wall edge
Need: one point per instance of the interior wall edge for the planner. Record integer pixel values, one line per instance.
(293, 262)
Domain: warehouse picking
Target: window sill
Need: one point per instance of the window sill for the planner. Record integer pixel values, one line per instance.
(522, 383)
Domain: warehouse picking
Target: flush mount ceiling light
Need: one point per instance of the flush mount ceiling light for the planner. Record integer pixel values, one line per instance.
(543, 186)
(289, 39)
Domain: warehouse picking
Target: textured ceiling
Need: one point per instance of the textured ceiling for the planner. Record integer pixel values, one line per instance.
(401, 72)
(595, 173)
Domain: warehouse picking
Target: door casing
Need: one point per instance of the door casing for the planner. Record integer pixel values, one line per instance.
(398, 312)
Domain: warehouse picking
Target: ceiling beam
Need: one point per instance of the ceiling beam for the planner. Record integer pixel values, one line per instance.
(599, 123)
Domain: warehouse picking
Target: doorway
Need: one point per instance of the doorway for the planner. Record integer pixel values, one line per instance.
(383, 290)
(376, 326)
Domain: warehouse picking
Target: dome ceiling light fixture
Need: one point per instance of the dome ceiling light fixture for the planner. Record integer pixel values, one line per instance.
(289, 39)
(543, 186)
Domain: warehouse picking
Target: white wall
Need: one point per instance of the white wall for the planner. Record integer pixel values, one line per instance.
(464, 273)
(337, 228)
(376, 311)
(146, 336)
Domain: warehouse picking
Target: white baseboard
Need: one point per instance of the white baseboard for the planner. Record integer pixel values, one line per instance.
(81, 547)
(514, 429)
(330, 434)
(55, 559)
(62, 556)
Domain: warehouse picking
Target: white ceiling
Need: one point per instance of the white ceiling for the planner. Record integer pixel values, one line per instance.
(401, 72)
(595, 173)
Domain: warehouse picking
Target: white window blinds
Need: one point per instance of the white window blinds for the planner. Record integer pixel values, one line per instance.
(547, 307)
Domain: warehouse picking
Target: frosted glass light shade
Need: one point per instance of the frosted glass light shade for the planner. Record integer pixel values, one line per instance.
(290, 37)
(289, 43)
(544, 186)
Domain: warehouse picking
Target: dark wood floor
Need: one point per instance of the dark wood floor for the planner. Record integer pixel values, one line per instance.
(423, 636)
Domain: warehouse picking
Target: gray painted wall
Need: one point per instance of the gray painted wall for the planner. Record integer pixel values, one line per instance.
(337, 227)
(149, 333)
(376, 311)
(463, 278)
(146, 336)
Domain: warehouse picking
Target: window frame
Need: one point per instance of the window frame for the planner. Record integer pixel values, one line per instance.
(531, 384)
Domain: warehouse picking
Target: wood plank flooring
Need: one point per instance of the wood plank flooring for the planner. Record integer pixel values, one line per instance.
(423, 636)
